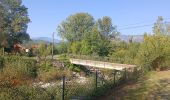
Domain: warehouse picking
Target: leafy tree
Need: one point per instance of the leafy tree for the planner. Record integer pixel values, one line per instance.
(95, 43)
(106, 27)
(75, 26)
(86, 36)
(13, 22)
(161, 27)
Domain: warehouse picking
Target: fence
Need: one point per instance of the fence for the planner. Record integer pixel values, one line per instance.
(95, 85)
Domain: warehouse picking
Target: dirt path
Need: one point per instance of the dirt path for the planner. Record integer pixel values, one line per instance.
(153, 86)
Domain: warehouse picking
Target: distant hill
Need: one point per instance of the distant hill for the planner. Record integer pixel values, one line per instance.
(136, 38)
(45, 39)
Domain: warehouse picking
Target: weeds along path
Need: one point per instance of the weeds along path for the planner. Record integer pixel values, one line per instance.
(152, 86)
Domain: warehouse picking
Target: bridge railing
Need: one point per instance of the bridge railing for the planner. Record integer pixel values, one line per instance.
(100, 58)
(91, 57)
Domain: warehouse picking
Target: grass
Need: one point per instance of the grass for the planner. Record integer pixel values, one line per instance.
(153, 86)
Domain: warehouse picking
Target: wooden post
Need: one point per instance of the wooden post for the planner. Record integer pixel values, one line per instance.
(52, 47)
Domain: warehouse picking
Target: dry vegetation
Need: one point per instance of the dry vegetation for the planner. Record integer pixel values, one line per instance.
(152, 86)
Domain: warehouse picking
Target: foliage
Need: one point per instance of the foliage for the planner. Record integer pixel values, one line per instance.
(77, 90)
(119, 56)
(14, 20)
(62, 48)
(47, 72)
(67, 65)
(88, 37)
(46, 66)
(16, 70)
(44, 50)
(161, 27)
(52, 74)
(154, 51)
(125, 52)
(75, 26)
(106, 27)
(24, 92)
(75, 47)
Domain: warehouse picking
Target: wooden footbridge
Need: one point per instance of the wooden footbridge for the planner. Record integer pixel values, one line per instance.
(100, 64)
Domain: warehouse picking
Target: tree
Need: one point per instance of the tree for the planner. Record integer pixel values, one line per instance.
(106, 27)
(13, 21)
(44, 50)
(161, 27)
(86, 36)
(75, 26)
(95, 43)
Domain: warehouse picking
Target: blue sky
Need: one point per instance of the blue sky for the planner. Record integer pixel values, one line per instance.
(46, 15)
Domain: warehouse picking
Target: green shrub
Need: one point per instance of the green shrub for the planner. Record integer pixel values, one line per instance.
(25, 67)
(16, 71)
(47, 72)
(53, 74)
(65, 60)
(46, 66)
(154, 52)
(50, 75)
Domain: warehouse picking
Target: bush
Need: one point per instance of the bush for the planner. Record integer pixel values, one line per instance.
(46, 66)
(154, 52)
(48, 72)
(17, 70)
(51, 75)
(24, 93)
(26, 67)
(65, 60)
